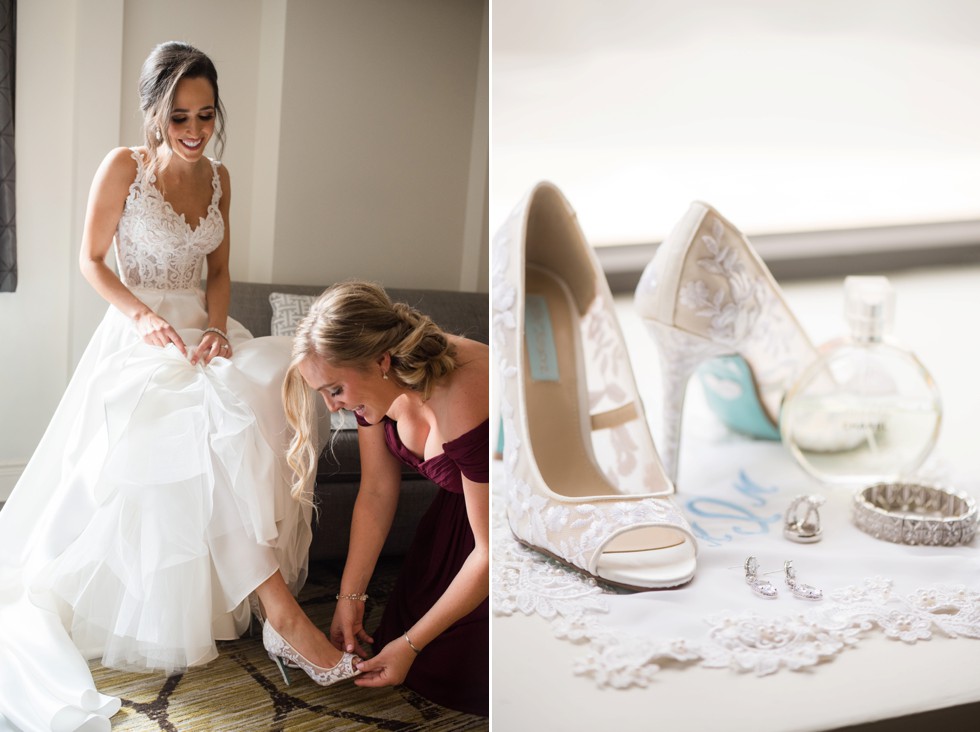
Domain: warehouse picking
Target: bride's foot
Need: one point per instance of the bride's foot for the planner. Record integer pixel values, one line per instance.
(305, 638)
(323, 673)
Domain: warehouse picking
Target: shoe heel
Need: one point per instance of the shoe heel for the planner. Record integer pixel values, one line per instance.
(498, 450)
(680, 355)
(282, 668)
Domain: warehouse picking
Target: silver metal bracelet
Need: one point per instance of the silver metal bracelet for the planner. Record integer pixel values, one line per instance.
(218, 331)
(411, 645)
(915, 513)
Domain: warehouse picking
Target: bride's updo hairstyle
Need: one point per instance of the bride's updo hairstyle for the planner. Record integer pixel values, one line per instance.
(353, 324)
(166, 65)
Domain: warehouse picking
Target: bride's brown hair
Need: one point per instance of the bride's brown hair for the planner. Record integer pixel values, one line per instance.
(163, 69)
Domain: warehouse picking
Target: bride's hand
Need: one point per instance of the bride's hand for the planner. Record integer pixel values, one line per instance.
(156, 331)
(211, 346)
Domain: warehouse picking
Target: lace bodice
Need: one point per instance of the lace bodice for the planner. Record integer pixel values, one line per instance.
(155, 247)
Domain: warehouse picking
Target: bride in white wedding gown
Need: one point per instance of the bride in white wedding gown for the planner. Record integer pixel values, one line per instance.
(158, 499)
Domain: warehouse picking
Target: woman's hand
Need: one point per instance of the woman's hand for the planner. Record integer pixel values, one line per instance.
(211, 346)
(156, 331)
(347, 629)
(389, 667)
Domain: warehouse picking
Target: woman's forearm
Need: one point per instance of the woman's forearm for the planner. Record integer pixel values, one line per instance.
(373, 514)
(218, 295)
(105, 282)
(468, 589)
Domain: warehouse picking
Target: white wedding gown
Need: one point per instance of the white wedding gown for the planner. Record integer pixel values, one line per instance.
(158, 498)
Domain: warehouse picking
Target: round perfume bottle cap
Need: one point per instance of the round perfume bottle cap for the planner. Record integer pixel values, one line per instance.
(869, 307)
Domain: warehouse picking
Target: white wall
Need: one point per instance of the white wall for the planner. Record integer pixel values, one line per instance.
(34, 322)
(312, 202)
(380, 97)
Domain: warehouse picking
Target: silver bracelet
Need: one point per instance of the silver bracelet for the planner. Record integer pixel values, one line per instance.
(914, 513)
(412, 645)
(219, 332)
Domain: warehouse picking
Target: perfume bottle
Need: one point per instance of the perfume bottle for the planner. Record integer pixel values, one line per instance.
(867, 410)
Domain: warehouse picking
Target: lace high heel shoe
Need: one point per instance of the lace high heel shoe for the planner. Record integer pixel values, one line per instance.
(259, 617)
(584, 483)
(707, 298)
(281, 651)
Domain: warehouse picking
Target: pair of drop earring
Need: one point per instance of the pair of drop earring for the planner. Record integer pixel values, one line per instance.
(765, 588)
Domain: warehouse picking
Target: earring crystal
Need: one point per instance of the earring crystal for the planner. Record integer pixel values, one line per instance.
(761, 587)
(800, 590)
(384, 375)
(159, 135)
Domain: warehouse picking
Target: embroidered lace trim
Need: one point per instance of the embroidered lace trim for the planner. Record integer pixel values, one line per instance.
(155, 247)
(525, 582)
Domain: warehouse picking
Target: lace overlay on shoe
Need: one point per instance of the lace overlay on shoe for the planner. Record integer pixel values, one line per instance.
(276, 645)
(727, 298)
(743, 309)
(156, 248)
(579, 531)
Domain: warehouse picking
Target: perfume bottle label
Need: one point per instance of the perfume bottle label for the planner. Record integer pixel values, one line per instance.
(540, 339)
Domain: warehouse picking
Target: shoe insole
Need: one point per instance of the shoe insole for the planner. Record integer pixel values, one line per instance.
(558, 420)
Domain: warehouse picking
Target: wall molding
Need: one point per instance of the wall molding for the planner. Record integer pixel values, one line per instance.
(475, 223)
(10, 473)
(833, 253)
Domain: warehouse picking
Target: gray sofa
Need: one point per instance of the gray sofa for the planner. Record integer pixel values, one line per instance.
(338, 472)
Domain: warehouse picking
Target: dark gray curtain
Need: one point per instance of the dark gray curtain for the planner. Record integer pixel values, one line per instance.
(8, 221)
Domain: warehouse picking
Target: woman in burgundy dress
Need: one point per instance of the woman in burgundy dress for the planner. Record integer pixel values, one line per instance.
(421, 399)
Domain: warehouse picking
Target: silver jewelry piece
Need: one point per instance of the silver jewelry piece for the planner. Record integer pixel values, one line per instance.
(159, 135)
(217, 331)
(913, 513)
(802, 523)
(761, 587)
(384, 375)
(800, 590)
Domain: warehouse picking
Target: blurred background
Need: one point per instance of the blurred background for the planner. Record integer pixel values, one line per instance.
(842, 136)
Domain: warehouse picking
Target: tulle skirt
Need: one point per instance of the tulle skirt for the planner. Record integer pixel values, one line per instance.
(156, 502)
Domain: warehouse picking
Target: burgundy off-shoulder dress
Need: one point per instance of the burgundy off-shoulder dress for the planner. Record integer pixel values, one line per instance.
(453, 669)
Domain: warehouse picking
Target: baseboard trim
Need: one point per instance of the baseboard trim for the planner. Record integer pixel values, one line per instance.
(9, 475)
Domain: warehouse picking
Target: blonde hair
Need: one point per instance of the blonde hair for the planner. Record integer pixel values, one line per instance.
(353, 324)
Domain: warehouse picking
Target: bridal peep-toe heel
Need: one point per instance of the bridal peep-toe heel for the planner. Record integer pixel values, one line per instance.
(709, 301)
(583, 480)
(282, 652)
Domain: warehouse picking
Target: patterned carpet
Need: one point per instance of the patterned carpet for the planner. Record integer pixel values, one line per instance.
(242, 690)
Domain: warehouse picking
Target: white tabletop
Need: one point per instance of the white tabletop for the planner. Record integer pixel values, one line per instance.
(534, 686)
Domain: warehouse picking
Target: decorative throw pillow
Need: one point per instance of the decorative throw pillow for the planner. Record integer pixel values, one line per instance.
(287, 311)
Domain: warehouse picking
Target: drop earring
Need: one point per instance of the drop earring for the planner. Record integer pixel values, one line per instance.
(761, 587)
(384, 375)
(159, 135)
(800, 590)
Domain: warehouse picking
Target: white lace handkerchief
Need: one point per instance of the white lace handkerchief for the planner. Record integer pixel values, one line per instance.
(734, 503)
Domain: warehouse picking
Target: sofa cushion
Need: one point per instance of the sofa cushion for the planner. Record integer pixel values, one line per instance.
(288, 308)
